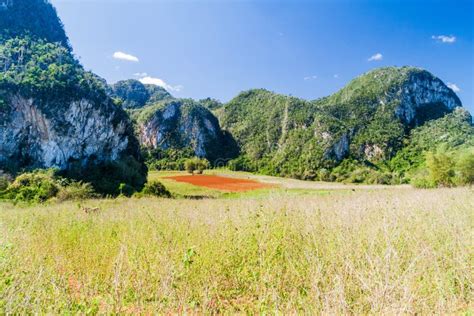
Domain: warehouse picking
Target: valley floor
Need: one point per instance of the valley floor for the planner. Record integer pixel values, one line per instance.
(397, 250)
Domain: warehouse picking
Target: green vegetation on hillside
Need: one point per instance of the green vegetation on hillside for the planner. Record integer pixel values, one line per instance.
(45, 71)
(186, 129)
(36, 63)
(132, 94)
(359, 134)
(32, 18)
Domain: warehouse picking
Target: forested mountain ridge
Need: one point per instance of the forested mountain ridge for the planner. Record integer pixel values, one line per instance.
(32, 18)
(366, 122)
(53, 113)
(132, 94)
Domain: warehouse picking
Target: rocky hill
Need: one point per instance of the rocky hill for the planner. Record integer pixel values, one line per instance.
(34, 18)
(133, 94)
(183, 124)
(53, 114)
(367, 121)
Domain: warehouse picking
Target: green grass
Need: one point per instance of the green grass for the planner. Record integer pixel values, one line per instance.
(382, 252)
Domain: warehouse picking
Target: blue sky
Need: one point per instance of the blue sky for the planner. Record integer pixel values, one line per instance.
(308, 49)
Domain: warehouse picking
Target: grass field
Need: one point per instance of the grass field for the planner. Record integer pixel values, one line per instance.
(289, 250)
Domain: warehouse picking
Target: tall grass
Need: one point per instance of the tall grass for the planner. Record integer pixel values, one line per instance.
(392, 251)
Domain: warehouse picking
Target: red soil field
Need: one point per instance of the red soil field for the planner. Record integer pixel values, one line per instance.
(221, 183)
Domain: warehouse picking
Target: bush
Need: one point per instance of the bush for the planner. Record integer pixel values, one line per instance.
(197, 165)
(156, 188)
(34, 187)
(43, 185)
(421, 180)
(446, 169)
(440, 166)
(464, 168)
(4, 183)
(76, 191)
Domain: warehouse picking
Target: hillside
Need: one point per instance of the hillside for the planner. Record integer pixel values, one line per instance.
(33, 18)
(365, 122)
(132, 94)
(53, 113)
(184, 125)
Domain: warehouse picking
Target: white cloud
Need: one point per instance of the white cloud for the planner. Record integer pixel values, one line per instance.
(376, 57)
(444, 38)
(310, 77)
(125, 56)
(453, 87)
(336, 76)
(140, 74)
(161, 83)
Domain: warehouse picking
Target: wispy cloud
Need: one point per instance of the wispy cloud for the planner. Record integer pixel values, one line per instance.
(447, 39)
(336, 76)
(310, 77)
(376, 57)
(453, 87)
(140, 74)
(161, 83)
(125, 56)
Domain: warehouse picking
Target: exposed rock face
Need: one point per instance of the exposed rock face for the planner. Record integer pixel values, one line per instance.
(185, 124)
(80, 132)
(417, 94)
(53, 113)
(366, 121)
(421, 92)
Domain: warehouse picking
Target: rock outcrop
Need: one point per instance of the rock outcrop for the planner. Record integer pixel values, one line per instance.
(184, 124)
(366, 121)
(54, 114)
(80, 131)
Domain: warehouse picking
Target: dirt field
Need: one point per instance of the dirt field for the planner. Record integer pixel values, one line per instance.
(222, 183)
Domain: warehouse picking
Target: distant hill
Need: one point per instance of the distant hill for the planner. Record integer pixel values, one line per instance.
(183, 124)
(54, 114)
(365, 122)
(133, 94)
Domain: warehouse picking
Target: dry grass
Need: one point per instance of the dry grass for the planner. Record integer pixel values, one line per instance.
(390, 251)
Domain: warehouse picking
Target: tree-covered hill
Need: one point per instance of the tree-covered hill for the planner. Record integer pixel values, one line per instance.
(182, 125)
(367, 123)
(33, 18)
(53, 113)
(132, 94)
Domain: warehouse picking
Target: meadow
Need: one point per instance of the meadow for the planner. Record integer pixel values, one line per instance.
(290, 249)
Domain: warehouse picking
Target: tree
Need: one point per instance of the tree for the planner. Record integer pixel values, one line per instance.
(440, 167)
(196, 164)
(465, 168)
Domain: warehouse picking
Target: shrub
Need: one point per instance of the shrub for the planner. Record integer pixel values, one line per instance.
(76, 191)
(421, 180)
(4, 183)
(465, 168)
(197, 165)
(156, 188)
(440, 166)
(42, 185)
(34, 187)
(242, 163)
